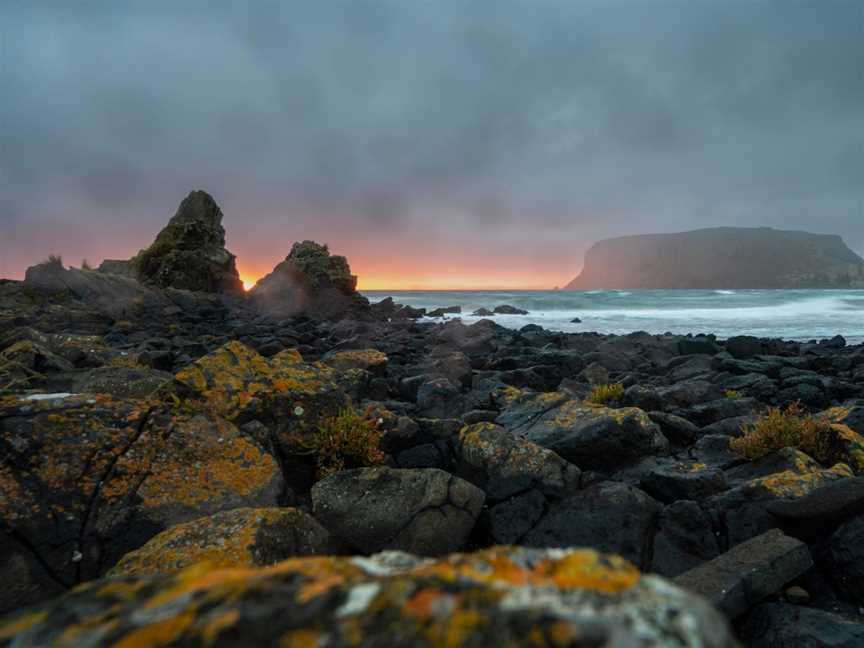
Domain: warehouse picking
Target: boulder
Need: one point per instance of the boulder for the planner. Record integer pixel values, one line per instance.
(243, 537)
(501, 596)
(369, 360)
(84, 480)
(421, 510)
(746, 574)
(608, 516)
(590, 436)
(746, 509)
(780, 624)
(283, 392)
(189, 253)
(684, 481)
(503, 465)
(507, 309)
(846, 547)
(312, 282)
(685, 539)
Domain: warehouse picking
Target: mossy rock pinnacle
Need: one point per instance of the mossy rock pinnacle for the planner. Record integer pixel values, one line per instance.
(189, 253)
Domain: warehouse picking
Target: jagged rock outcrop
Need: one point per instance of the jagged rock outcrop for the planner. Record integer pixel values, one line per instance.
(722, 257)
(189, 253)
(310, 281)
(502, 596)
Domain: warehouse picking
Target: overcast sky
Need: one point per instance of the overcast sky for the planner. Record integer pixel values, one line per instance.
(445, 142)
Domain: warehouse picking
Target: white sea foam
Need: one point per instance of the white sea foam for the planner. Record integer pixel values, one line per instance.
(791, 314)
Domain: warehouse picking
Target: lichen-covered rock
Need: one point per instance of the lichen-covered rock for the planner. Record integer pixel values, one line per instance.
(421, 510)
(367, 359)
(502, 596)
(745, 509)
(189, 253)
(588, 435)
(244, 537)
(85, 479)
(289, 395)
(503, 465)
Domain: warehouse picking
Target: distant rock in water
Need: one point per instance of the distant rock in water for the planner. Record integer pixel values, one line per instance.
(310, 281)
(189, 253)
(723, 257)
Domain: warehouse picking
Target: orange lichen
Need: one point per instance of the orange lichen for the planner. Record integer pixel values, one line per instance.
(160, 633)
(218, 623)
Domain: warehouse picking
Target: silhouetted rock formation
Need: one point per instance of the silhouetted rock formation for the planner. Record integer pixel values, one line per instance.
(723, 257)
(189, 253)
(309, 281)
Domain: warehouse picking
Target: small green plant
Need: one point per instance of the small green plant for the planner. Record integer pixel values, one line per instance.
(53, 261)
(347, 440)
(784, 428)
(608, 394)
(733, 394)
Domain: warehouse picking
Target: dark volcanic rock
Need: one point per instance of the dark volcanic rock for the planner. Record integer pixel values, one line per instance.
(507, 309)
(190, 252)
(312, 282)
(502, 465)
(847, 556)
(748, 573)
(771, 625)
(425, 511)
(608, 516)
(590, 436)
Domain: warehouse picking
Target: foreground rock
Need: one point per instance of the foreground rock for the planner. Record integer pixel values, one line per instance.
(84, 480)
(500, 596)
(748, 573)
(244, 537)
(425, 511)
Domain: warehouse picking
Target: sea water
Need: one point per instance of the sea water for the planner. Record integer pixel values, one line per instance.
(788, 314)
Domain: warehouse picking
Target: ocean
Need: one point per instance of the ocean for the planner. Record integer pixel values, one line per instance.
(787, 314)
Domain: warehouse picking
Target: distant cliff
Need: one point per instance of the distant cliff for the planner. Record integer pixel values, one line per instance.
(722, 257)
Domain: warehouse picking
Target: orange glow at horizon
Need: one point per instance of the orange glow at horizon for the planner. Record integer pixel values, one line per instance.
(458, 280)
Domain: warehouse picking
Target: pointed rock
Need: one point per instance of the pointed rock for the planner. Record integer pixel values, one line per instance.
(189, 253)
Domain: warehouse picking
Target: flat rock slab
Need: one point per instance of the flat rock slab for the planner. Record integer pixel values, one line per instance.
(750, 571)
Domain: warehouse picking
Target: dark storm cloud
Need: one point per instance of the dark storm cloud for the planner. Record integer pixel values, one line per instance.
(546, 119)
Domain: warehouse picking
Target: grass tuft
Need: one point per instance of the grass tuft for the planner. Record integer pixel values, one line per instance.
(347, 440)
(734, 394)
(784, 428)
(610, 394)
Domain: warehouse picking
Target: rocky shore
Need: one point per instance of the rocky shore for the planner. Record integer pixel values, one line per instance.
(184, 464)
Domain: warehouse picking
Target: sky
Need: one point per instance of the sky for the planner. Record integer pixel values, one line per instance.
(436, 144)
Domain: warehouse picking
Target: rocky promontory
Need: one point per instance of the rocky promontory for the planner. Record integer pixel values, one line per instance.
(204, 468)
(721, 258)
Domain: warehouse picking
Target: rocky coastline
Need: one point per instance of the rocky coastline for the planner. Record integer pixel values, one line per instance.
(185, 464)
